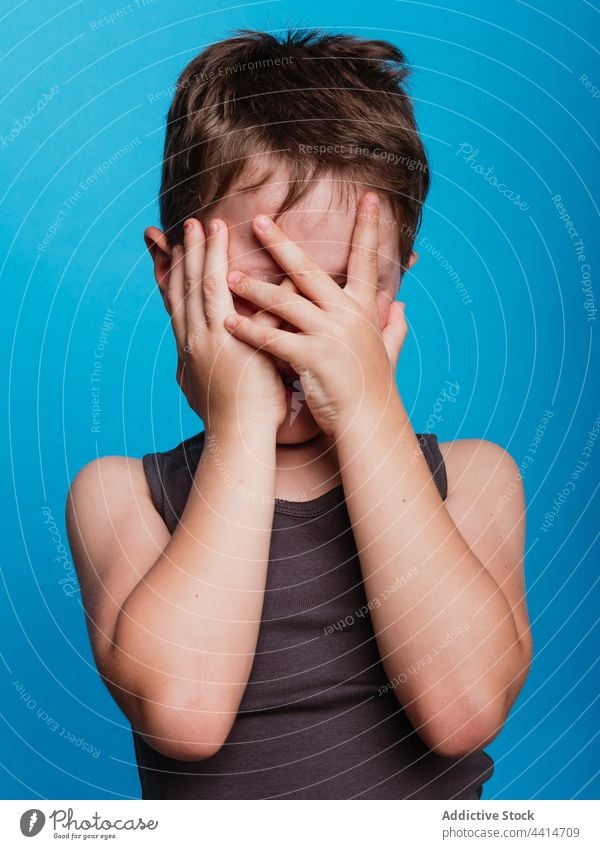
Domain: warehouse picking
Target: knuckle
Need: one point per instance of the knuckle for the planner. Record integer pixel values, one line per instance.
(210, 284)
(246, 285)
(371, 258)
(335, 333)
(264, 337)
(192, 337)
(343, 331)
(278, 298)
(366, 218)
(355, 325)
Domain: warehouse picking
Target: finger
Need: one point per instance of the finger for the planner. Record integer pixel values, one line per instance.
(363, 259)
(311, 280)
(175, 296)
(299, 311)
(289, 284)
(269, 319)
(280, 343)
(218, 301)
(256, 314)
(193, 263)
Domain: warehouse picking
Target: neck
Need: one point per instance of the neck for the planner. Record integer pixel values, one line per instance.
(306, 470)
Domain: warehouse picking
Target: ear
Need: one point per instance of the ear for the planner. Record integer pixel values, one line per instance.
(413, 258)
(161, 252)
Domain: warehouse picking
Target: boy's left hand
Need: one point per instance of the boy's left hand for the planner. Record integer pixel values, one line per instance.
(345, 361)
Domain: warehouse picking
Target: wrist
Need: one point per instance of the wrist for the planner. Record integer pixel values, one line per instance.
(239, 429)
(374, 412)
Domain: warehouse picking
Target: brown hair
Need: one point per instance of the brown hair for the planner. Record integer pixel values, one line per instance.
(319, 103)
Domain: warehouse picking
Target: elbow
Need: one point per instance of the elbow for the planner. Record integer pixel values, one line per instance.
(183, 728)
(470, 722)
(456, 734)
(175, 749)
(459, 745)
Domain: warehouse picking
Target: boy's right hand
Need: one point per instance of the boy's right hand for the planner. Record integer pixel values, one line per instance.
(226, 381)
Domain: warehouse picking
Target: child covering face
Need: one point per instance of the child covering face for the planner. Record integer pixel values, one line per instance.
(306, 598)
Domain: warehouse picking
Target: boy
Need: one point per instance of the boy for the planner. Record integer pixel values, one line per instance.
(306, 599)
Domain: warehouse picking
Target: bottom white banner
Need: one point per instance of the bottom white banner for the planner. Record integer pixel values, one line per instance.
(293, 824)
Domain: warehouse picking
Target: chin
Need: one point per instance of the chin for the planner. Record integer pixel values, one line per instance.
(299, 426)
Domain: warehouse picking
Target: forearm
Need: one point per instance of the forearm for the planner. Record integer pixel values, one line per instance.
(190, 627)
(444, 628)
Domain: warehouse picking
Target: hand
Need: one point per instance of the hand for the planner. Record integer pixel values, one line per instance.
(345, 361)
(225, 380)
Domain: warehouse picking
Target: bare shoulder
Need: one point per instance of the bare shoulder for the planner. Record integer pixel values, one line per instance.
(115, 476)
(101, 498)
(115, 534)
(485, 492)
(483, 471)
(486, 501)
(109, 510)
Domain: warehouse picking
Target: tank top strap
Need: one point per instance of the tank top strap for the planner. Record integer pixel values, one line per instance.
(170, 475)
(431, 449)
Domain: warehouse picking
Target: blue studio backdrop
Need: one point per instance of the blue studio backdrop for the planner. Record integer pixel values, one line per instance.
(501, 307)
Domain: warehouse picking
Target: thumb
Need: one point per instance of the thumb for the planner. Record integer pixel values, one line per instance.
(395, 331)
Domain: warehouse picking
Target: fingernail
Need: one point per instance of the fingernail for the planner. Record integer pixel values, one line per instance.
(263, 222)
(213, 227)
(230, 322)
(234, 277)
(373, 200)
(188, 225)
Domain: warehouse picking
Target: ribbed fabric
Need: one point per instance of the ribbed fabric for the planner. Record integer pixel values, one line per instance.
(317, 720)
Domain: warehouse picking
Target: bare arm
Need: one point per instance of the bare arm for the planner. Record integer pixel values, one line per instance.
(453, 632)
(435, 574)
(186, 635)
(174, 619)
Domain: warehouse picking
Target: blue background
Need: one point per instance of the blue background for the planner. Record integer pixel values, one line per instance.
(504, 78)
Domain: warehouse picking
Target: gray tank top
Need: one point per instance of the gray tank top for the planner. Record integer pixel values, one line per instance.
(318, 719)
